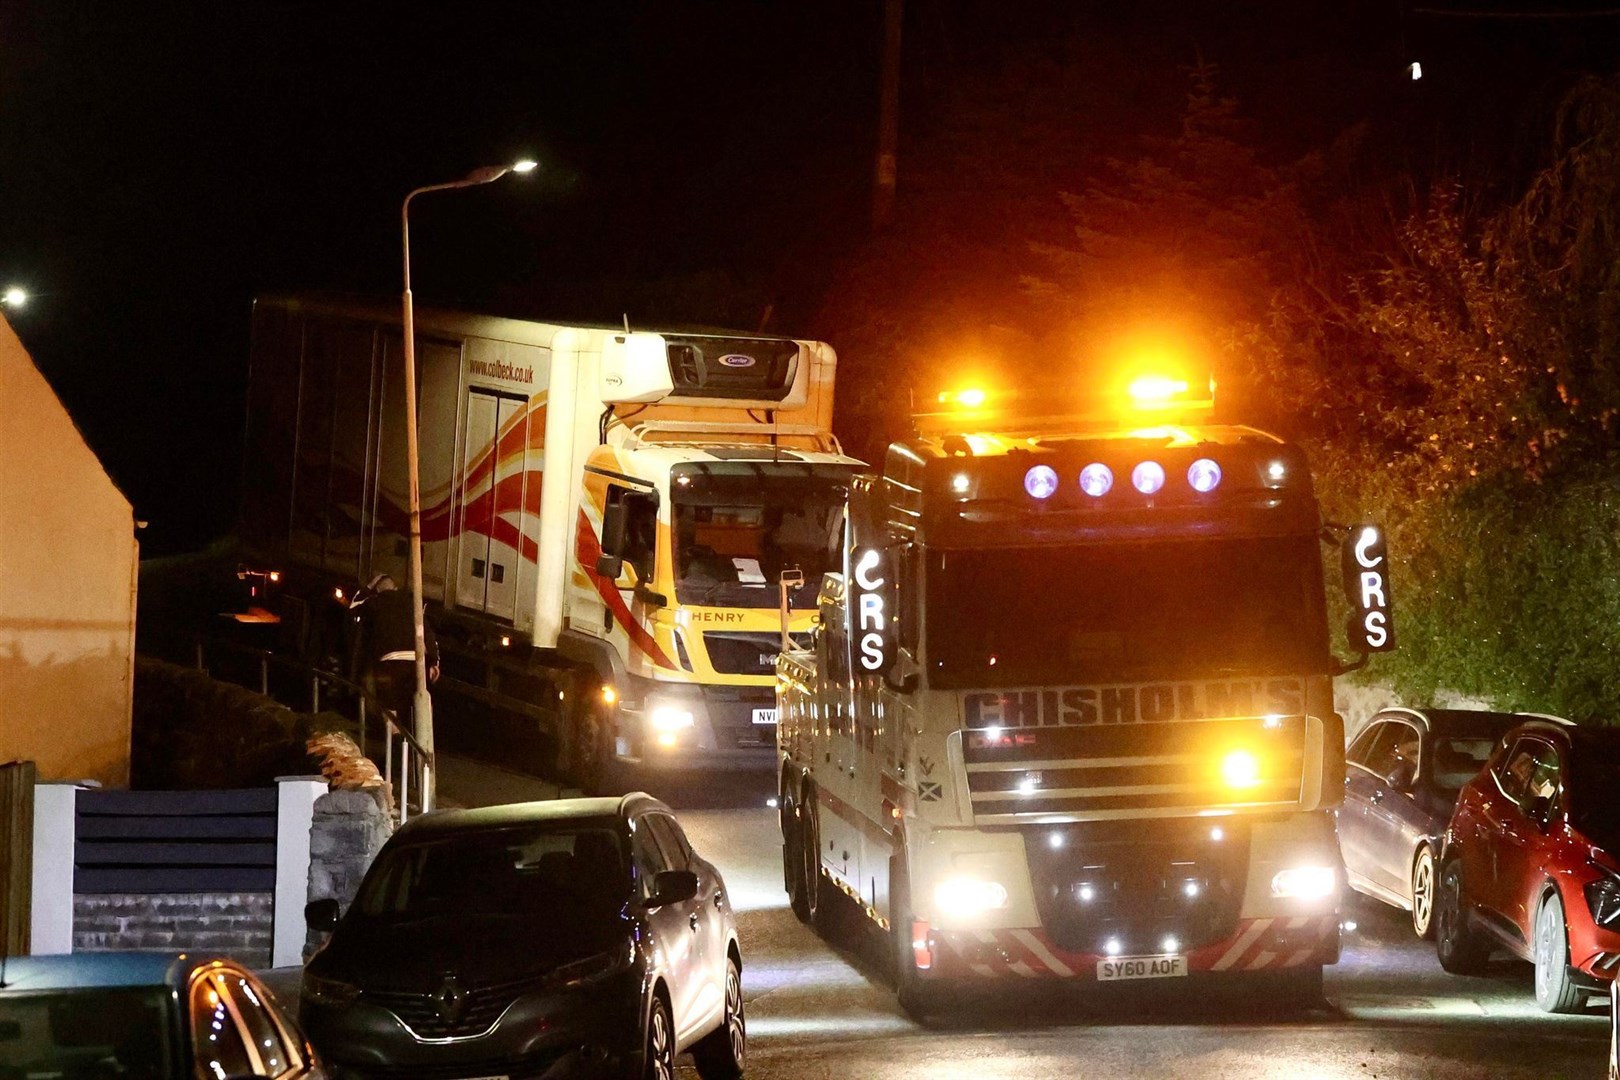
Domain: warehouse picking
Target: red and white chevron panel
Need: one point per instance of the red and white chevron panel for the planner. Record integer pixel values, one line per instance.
(1257, 945)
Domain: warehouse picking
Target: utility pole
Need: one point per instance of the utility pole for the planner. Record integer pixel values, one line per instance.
(888, 142)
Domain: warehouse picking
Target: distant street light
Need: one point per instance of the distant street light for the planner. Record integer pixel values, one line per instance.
(1415, 69)
(15, 296)
(422, 707)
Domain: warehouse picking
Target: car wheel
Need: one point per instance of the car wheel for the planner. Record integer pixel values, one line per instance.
(1423, 893)
(1461, 950)
(660, 1051)
(1556, 991)
(722, 1053)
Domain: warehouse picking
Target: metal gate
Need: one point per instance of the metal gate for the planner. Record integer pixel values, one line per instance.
(16, 856)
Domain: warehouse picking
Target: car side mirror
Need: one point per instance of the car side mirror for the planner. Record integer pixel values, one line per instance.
(322, 915)
(672, 887)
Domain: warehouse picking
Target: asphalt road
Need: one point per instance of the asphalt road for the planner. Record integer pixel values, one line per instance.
(818, 1009)
(824, 1009)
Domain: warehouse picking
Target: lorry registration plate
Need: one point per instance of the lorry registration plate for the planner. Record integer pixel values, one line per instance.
(1141, 967)
(764, 716)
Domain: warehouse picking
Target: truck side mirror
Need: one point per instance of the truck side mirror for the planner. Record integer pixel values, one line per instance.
(609, 566)
(902, 674)
(615, 524)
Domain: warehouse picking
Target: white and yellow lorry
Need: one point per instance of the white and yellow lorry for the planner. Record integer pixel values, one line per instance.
(1067, 711)
(606, 514)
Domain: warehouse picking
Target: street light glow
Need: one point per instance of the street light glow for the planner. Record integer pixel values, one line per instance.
(15, 296)
(526, 165)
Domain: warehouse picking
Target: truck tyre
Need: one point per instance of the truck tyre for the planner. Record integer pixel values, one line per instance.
(586, 739)
(819, 895)
(918, 997)
(1556, 991)
(1459, 947)
(793, 857)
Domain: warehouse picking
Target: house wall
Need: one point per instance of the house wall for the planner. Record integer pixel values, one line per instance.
(67, 588)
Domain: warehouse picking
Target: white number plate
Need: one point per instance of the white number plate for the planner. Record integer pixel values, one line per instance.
(764, 716)
(1141, 967)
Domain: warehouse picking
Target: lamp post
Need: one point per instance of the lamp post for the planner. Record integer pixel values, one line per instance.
(422, 706)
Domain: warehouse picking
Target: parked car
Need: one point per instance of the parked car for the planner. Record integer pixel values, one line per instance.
(1531, 862)
(1404, 770)
(145, 1016)
(581, 937)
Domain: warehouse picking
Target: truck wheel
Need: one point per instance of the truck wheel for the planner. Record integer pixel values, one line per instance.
(1460, 949)
(1556, 991)
(587, 740)
(918, 997)
(818, 894)
(793, 859)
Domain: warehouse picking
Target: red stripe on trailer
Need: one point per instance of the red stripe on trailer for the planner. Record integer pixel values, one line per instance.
(589, 549)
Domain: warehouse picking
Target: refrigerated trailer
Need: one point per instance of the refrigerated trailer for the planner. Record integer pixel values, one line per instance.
(606, 513)
(1068, 709)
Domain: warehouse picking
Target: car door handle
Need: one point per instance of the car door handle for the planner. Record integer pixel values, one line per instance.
(1377, 796)
(693, 920)
(718, 897)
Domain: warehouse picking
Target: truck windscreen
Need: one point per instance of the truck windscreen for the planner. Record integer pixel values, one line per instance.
(1002, 617)
(735, 535)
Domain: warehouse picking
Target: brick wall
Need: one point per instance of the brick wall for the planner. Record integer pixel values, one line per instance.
(238, 924)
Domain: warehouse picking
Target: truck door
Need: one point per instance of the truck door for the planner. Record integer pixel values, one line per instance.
(836, 772)
(491, 527)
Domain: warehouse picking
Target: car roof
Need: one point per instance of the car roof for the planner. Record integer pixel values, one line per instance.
(1463, 721)
(442, 822)
(1576, 736)
(79, 971)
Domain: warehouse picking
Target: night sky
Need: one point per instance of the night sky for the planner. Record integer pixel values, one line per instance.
(160, 163)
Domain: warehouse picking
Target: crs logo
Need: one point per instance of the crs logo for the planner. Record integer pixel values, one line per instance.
(1365, 567)
(872, 636)
(737, 360)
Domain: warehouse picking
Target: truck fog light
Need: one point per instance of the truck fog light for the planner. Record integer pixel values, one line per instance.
(1305, 883)
(1204, 475)
(1240, 769)
(965, 897)
(1096, 479)
(1041, 481)
(1148, 477)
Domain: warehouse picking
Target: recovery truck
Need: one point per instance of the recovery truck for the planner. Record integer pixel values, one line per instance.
(605, 514)
(1067, 710)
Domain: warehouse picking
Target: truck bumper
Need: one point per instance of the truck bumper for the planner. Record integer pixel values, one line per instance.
(722, 734)
(1258, 945)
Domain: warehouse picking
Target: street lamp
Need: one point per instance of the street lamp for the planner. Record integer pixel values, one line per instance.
(15, 296)
(422, 706)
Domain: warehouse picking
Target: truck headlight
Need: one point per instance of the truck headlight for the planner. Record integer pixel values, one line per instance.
(1603, 899)
(965, 897)
(1305, 883)
(668, 718)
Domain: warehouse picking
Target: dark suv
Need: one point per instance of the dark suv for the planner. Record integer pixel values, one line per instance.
(1532, 862)
(582, 937)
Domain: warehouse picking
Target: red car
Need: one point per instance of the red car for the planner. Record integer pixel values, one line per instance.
(1531, 862)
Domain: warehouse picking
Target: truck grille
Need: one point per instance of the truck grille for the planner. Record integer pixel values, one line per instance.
(731, 715)
(1136, 884)
(1130, 770)
(736, 653)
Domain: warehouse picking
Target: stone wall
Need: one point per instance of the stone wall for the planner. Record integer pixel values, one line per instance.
(238, 924)
(1358, 701)
(348, 830)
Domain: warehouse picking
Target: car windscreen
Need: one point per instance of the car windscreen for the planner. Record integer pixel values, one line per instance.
(1458, 760)
(120, 1031)
(1594, 780)
(567, 873)
(1123, 612)
(735, 533)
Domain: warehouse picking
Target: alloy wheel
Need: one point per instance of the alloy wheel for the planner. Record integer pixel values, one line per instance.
(660, 1059)
(1423, 894)
(735, 1028)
